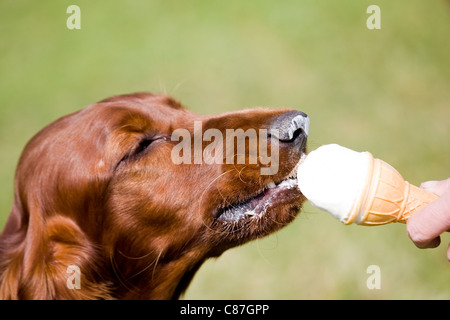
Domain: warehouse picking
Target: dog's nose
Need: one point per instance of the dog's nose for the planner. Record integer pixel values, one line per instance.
(291, 127)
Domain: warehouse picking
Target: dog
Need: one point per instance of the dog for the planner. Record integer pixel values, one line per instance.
(101, 211)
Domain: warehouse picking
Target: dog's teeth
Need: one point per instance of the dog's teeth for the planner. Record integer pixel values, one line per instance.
(271, 185)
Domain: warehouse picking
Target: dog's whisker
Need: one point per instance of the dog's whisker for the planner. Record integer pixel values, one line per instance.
(117, 274)
(133, 258)
(178, 85)
(240, 172)
(156, 263)
(201, 198)
(209, 185)
(153, 263)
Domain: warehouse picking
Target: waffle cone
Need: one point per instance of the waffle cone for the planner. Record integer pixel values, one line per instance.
(387, 197)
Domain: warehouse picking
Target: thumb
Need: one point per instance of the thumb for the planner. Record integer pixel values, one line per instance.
(438, 187)
(425, 226)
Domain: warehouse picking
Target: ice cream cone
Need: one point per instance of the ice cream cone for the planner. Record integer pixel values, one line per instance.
(386, 197)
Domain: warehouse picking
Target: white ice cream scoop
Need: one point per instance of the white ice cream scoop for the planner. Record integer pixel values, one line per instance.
(354, 187)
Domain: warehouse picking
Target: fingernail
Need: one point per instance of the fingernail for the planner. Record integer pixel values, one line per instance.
(429, 185)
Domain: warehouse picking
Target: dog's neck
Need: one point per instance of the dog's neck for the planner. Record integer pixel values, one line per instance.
(154, 275)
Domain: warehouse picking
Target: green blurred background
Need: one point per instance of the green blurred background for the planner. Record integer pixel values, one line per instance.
(386, 91)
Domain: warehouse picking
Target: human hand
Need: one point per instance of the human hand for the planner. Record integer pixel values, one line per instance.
(425, 226)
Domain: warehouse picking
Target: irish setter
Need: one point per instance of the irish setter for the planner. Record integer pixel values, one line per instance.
(97, 191)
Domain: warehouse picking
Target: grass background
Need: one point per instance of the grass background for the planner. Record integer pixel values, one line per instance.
(386, 91)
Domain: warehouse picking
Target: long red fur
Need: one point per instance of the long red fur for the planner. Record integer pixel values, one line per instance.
(136, 225)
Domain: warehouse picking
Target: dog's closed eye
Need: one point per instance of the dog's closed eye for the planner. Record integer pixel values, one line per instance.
(138, 149)
(143, 145)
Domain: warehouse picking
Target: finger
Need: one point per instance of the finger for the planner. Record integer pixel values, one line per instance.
(434, 243)
(428, 223)
(428, 244)
(438, 187)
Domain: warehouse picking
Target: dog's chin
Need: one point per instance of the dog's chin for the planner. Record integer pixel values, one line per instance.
(272, 208)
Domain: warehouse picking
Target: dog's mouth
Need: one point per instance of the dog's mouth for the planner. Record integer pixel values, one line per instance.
(257, 206)
(270, 197)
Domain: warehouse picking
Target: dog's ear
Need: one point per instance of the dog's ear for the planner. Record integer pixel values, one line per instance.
(39, 255)
(56, 185)
(11, 254)
(70, 261)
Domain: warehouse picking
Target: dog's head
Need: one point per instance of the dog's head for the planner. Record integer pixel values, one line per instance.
(145, 190)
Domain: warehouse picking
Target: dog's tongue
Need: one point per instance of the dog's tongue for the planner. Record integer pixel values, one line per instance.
(331, 178)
